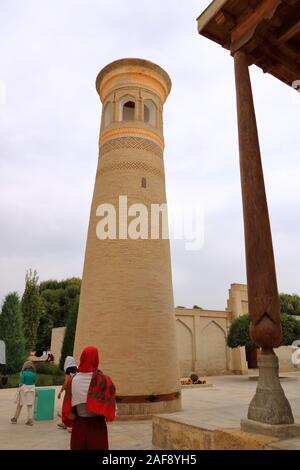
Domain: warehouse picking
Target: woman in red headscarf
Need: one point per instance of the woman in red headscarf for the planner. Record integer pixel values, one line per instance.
(90, 401)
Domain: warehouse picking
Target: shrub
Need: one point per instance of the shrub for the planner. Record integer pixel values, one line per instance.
(4, 380)
(13, 381)
(58, 379)
(44, 380)
(47, 369)
(194, 378)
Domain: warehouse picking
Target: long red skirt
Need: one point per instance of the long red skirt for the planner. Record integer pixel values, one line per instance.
(89, 434)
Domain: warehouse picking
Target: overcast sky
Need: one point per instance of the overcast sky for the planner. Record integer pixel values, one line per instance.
(50, 54)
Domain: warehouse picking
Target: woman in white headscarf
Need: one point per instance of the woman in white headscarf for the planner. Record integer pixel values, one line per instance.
(70, 369)
(70, 366)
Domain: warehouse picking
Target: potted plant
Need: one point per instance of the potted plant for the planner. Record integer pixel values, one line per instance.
(194, 378)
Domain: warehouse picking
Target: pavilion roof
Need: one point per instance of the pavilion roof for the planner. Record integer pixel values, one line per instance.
(267, 30)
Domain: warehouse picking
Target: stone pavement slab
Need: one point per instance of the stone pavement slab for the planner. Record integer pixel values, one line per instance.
(218, 407)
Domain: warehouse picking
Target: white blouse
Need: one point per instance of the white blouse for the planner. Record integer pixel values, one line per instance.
(80, 386)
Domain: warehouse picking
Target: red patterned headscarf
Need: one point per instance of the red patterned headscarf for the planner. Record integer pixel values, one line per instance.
(89, 359)
(101, 397)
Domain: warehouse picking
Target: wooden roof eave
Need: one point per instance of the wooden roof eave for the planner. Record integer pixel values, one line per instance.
(253, 33)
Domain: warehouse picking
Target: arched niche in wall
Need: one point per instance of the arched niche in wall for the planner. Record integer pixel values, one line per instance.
(184, 338)
(127, 109)
(213, 352)
(150, 112)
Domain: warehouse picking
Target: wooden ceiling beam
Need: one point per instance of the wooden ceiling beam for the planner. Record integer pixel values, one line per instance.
(274, 54)
(225, 18)
(245, 29)
(291, 2)
(289, 31)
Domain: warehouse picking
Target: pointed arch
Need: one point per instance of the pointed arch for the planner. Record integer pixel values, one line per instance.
(184, 324)
(213, 356)
(184, 336)
(216, 324)
(127, 108)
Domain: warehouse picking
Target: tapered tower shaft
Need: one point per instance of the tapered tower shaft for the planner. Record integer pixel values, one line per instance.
(126, 303)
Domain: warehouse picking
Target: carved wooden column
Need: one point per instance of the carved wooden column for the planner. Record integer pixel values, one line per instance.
(269, 404)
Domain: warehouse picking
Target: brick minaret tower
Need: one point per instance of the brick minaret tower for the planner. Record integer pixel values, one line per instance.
(126, 303)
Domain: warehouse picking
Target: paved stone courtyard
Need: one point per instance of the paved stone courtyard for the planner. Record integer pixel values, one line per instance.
(221, 406)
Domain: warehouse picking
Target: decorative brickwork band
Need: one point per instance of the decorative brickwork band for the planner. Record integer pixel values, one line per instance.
(109, 134)
(148, 398)
(131, 143)
(132, 166)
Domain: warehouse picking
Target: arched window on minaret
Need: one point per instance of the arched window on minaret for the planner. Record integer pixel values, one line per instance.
(107, 114)
(149, 112)
(127, 109)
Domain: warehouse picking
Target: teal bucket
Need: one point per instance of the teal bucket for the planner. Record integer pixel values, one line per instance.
(44, 404)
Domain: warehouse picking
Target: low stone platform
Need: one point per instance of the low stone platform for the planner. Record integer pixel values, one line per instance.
(169, 434)
(210, 419)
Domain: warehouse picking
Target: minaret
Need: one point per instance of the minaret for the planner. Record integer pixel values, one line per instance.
(126, 302)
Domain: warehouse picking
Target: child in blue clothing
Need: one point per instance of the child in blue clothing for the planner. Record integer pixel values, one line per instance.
(26, 392)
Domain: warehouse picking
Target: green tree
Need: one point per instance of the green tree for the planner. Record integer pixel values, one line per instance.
(238, 334)
(11, 332)
(44, 331)
(32, 309)
(56, 306)
(290, 304)
(59, 297)
(57, 300)
(290, 329)
(69, 338)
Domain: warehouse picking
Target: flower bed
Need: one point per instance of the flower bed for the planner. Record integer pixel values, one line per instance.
(189, 381)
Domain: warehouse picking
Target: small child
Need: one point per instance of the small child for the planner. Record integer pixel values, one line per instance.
(70, 369)
(26, 393)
